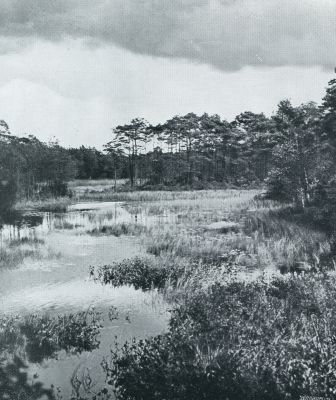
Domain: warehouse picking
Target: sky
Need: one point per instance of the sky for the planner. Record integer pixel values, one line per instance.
(74, 69)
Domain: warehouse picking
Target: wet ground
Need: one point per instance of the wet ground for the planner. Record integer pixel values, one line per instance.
(58, 282)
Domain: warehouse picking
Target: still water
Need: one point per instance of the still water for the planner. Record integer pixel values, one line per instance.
(58, 282)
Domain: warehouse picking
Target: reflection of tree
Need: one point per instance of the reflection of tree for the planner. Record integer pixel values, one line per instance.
(35, 338)
(14, 383)
(19, 219)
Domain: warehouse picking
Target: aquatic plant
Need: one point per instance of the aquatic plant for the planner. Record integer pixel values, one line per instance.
(39, 337)
(142, 273)
(119, 229)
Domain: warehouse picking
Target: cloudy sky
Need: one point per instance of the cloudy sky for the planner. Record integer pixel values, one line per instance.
(74, 69)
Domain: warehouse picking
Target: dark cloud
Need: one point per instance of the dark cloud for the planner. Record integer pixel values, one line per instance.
(228, 34)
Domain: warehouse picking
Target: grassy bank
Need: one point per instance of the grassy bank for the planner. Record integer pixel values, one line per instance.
(251, 287)
(162, 195)
(48, 205)
(253, 308)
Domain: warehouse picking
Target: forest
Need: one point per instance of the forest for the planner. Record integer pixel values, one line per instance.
(293, 152)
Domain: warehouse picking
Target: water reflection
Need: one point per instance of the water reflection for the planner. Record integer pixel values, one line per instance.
(15, 383)
(60, 285)
(20, 219)
(80, 217)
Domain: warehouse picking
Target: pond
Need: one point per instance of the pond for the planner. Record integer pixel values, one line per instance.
(58, 281)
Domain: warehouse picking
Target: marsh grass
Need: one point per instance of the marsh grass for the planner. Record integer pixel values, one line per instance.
(49, 205)
(242, 327)
(119, 229)
(267, 240)
(14, 252)
(162, 196)
(66, 225)
(95, 182)
(30, 240)
(11, 257)
(82, 189)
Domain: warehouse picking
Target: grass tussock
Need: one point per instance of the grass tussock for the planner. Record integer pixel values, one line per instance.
(119, 229)
(142, 273)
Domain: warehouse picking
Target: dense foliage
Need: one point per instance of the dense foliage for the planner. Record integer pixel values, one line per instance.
(257, 340)
(140, 272)
(30, 168)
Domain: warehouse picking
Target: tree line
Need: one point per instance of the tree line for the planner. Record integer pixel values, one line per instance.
(293, 151)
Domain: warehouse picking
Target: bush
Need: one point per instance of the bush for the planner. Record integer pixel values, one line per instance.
(168, 367)
(257, 340)
(142, 273)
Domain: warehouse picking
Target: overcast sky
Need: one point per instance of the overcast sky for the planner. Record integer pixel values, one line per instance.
(74, 69)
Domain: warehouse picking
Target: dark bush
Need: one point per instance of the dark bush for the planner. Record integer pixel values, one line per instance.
(142, 273)
(8, 190)
(257, 340)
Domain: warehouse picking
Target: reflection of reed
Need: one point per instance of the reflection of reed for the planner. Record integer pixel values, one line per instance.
(16, 385)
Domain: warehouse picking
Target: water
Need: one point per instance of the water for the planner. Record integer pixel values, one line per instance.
(58, 282)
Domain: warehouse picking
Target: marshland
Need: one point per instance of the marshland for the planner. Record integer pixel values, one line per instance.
(201, 269)
(183, 285)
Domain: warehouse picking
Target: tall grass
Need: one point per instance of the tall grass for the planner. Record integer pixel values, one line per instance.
(88, 183)
(48, 205)
(265, 239)
(149, 196)
(241, 326)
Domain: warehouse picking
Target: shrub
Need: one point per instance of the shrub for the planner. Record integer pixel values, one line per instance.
(142, 273)
(168, 367)
(256, 340)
